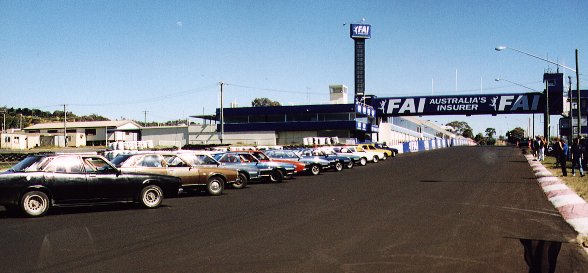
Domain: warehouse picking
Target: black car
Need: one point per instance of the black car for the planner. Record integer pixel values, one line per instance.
(383, 146)
(39, 182)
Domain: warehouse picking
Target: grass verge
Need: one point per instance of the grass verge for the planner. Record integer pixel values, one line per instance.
(576, 183)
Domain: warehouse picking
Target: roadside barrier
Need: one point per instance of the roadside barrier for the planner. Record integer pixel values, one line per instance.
(425, 145)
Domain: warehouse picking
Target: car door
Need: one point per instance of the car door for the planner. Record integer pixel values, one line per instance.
(66, 179)
(105, 183)
(177, 167)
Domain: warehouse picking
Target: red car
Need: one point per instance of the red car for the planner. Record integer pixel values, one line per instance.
(261, 156)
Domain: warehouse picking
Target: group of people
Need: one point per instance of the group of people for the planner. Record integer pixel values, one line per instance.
(563, 152)
(538, 146)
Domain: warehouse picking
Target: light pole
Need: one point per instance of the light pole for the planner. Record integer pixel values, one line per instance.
(501, 48)
(222, 116)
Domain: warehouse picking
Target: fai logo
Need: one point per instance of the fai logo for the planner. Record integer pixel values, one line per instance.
(512, 103)
(493, 104)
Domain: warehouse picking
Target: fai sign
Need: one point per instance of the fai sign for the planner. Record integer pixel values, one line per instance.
(525, 103)
(360, 31)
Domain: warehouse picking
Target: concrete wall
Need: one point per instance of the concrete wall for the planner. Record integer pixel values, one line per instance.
(265, 138)
(168, 136)
(294, 137)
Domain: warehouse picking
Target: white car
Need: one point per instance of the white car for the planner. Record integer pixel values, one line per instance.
(371, 156)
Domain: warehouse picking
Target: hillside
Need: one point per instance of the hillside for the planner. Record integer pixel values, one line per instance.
(24, 117)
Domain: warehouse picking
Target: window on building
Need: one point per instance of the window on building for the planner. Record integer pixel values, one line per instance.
(236, 119)
(257, 118)
(302, 117)
(52, 131)
(71, 130)
(333, 116)
(276, 118)
(91, 132)
(34, 131)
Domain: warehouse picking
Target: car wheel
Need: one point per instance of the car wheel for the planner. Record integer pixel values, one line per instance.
(394, 154)
(363, 161)
(338, 166)
(376, 159)
(315, 169)
(350, 164)
(151, 196)
(34, 203)
(242, 182)
(276, 176)
(384, 157)
(215, 186)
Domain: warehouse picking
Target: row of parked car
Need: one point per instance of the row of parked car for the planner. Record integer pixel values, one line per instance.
(40, 182)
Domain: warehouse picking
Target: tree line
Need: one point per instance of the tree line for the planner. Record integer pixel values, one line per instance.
(23, 117)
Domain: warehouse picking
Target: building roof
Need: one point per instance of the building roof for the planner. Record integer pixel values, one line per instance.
(119, 124)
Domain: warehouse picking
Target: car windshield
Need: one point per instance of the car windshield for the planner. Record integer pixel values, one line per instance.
(248, 158)
(290, 154)
(29, 164)
(120, 159)
(200, 160)
(261, 156)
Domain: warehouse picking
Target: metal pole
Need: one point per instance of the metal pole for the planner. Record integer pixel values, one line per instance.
(579, 101)
(546, 114)
(571, 115)
(533, 123)
(222, 117)
(65, 125)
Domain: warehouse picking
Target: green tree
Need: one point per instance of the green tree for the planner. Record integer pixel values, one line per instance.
(480, 139)
(468, 133)
(516, 134)
(490, 132)
(461, 128)
(261, 102)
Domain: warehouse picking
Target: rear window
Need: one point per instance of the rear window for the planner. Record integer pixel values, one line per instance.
(29, 164)
(120, 159)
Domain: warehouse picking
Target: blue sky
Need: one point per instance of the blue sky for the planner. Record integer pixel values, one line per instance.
(120, 58)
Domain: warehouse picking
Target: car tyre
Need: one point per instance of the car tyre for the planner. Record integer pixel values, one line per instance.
(34, 203)
(363, 161)
(315, 169)
(350, 164)
(338, 166)
(376, 159)
(151, 196)
(242, 182)
(215, 186)
(276, 176)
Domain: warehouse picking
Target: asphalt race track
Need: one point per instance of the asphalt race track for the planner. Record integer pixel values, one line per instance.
(461, 209)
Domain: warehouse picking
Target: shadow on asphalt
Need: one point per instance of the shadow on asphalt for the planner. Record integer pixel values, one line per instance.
(540, 255)
(81, 209)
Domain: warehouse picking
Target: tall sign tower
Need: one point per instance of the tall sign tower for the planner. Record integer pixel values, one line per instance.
(359, 33)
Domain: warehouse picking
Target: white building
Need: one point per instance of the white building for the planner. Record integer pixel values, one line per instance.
(88, 133)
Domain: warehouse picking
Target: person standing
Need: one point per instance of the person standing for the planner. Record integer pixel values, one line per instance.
(556, 151)
(577, 154)
(542, 145)
(563, 156)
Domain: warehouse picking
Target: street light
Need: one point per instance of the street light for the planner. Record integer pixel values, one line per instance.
(501, 48)
(497, 79)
